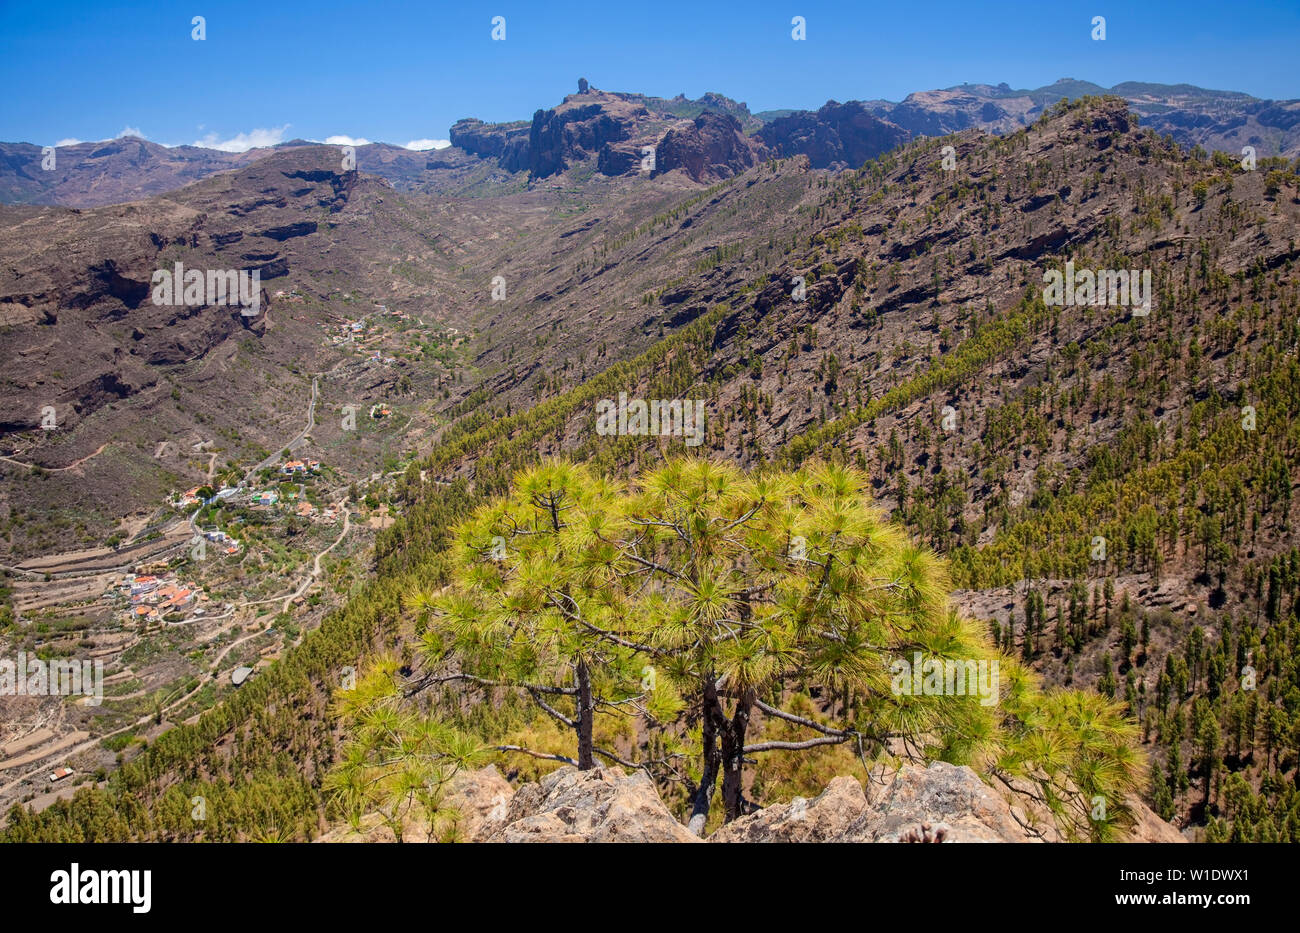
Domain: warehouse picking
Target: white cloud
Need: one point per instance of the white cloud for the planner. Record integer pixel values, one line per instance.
(420, 145)
(346, 141)
(67, 142)
(130, 131)
(242, 142)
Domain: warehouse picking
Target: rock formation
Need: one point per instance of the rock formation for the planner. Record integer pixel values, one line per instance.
(600, 805)
(710, 148)
(836, 136)
(508, 143)
(941, 800)
(577, 130)
(935, 803)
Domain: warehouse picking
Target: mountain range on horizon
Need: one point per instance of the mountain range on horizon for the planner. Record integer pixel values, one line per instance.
(613, 127)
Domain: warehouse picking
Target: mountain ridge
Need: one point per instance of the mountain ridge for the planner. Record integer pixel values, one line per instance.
(613, 128)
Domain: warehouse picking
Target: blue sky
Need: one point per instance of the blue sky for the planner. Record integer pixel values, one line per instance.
(403, 72)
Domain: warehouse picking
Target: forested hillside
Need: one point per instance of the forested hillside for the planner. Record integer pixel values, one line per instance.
(1113, 490)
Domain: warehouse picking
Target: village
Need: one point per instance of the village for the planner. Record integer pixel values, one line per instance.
(259, 500)
(208, 591)
(368, 334)
(201, 595)
(158, 598)
(160, 595)
(351, 330)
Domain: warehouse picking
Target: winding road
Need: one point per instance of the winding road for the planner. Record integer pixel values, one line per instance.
(71, 466)
(298, 439)
(216, 664)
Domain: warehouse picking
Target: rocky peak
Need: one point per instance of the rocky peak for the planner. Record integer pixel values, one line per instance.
(836, 136)
(506, 142)
(709, 148)
(579, 128)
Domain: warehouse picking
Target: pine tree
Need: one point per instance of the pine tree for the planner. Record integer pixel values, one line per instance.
(528, 608)
(396, 761)
(743, 593)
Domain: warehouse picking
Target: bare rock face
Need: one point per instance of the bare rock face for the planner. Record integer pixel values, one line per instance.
(1024, 797)
(618, 158)
(836, 136)
(481, 799)
(711, 147)
(826, 818)
(600, 805)
(941, 801)
(579, 128)
(505, 142)
(937, 803)
(1149, 827)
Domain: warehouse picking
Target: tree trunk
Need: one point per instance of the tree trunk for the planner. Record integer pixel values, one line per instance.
(733, 756)
(586, 714)
(709, 777)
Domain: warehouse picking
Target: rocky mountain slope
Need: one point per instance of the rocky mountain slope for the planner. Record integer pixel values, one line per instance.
(837, 136)
(1011, 434)
(892, 315)
(1215, 120)
(110, 172)
(84, 337)
(122, 375)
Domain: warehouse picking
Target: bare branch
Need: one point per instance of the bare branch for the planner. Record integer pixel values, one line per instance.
(800, 720)
(574, 617)
(651, 565)
(542, 755)
(744, 518)
(636, 765)
(794, 746)
(551, 709)
(483, 681)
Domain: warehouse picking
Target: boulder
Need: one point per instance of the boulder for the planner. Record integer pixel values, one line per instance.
(481, 799)
(825, 818)
(942, 801)
(600, 805)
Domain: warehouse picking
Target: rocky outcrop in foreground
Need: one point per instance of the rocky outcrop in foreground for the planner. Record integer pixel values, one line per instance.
(941, 803)
(937, 803)
(601, 805)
